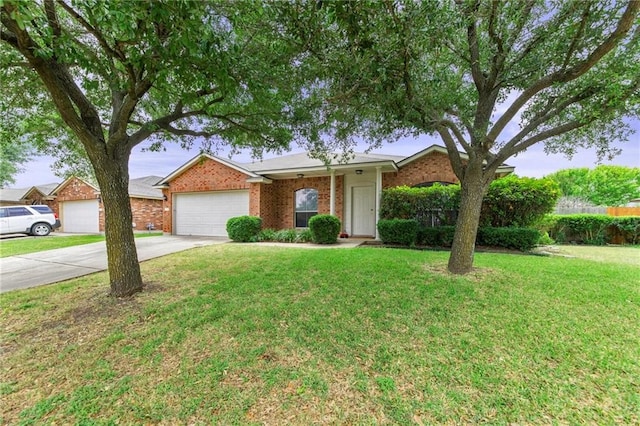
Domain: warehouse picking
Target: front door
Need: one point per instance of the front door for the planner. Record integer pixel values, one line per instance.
(364, 215)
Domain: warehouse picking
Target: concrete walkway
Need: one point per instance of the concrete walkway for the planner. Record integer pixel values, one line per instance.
(46, 267)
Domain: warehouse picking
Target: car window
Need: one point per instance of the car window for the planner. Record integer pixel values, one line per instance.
(3, 213)
(42, 209)
(19, 211)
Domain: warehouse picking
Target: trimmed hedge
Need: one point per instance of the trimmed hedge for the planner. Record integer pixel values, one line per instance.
(403, 202)
(592, 229)
(518, 201)
(522, 239)
(407, 232)
(438, 236)
(629, 228)
(510, 201)
(398, 231)
(324, 228)
(244, 228)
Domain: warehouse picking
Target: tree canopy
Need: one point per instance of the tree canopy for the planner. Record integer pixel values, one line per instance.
(605, 185)
(490, 78)
(117, 74)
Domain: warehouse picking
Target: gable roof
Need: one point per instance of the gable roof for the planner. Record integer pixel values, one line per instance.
(288, 165)
(142, 187)
(68, 180)
(441, 149)
(229, 163)
(20, 194)
(13, 194)
(303, 161)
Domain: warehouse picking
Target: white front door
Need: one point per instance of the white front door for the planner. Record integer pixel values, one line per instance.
(363, 210)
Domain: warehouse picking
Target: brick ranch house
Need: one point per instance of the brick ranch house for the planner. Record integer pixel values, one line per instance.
(285, 192)
(38, 194)
(79, 205)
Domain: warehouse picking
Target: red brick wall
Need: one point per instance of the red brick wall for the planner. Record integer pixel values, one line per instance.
(206, 175)
(262, 204)
(146, 211)
(281, 200)
(431, 167)
(75, 190)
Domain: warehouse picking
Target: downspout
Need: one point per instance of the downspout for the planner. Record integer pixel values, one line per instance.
(332, 198)
(378, 198)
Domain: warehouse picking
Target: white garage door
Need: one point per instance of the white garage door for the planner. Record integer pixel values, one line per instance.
(80, 216)
(206, 213)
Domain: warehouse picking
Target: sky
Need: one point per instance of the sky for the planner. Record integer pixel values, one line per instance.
(533, 162)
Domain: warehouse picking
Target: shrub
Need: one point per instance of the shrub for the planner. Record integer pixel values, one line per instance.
(324, 228)
(513, 238)
(435, 205)
(438, 236)
(267, 234)
(546, 223)
(518, 201)
(398, 231)
(244, 228)
(629, 228)
(286, 236)
(545, 239)
(510, 201)
(304, 236)
(582, 228)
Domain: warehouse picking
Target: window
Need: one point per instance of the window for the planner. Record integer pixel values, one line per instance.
(306, 206)
(19, 211)
(42, 209)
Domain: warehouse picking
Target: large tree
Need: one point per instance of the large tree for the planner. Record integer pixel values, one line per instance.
(491, 78)
(119, 73)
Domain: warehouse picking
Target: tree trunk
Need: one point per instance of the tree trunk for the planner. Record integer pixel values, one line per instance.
(473, 190)
(124, 270)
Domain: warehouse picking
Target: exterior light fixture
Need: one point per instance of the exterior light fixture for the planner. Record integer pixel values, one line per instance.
(300, 175)
(359, 171)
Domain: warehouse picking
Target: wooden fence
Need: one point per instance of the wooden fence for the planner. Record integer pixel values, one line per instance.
(623, 211)
(580, 210)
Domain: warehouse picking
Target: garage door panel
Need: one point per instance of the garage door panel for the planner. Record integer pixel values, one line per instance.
(206, 213)
(80, 216)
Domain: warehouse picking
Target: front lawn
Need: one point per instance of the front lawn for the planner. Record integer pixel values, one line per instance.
(25, 245)
(236, 334)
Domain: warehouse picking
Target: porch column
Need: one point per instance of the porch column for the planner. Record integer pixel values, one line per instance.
(378, 197)
(332, 197)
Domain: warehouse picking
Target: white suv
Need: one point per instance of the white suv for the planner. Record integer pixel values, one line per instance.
(37, 220)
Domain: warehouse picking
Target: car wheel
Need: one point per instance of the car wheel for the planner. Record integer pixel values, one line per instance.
(41, 229)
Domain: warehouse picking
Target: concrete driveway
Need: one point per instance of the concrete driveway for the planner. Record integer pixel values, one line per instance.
(46, 267)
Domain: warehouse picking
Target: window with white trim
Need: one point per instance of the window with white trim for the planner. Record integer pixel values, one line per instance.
(306, 206)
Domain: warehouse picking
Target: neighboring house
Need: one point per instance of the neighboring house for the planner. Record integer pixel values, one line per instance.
(79, 205)
(39, 194)
(286, 191)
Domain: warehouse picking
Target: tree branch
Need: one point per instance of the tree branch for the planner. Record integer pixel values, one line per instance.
(563, 76)
(576, 37)
(513, 147)
(454, 154)
(474, 48)
(64, 92)
(93, 31)
(457, 133)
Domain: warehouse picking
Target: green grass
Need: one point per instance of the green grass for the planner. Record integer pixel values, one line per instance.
(14, 247)
(234, 334)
